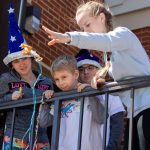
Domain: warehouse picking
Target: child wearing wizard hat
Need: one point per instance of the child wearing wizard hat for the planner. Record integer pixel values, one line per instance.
(18, 84)
(88, 65)
(15, 39)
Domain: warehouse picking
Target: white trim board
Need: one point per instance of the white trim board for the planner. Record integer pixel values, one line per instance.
(125, 6)
(133, 20)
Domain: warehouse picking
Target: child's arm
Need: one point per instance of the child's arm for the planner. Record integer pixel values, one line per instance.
(8, 96)
(97, 109)
(81, 86)
(5, 93)
(97, 81)
(45, 118)
(99, 78)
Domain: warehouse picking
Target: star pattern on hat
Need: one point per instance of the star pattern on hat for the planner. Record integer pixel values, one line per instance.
(11, 10)
(13, 38)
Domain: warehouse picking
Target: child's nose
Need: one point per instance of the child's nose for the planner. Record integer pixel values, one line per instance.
(61, 82)
(86, 70)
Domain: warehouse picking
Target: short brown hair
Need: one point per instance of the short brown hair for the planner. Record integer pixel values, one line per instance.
(64, 63)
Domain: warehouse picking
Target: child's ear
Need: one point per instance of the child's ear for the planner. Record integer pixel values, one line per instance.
(102, 17)
(76, 74)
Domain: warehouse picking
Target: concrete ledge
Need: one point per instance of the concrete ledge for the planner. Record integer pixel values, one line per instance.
(125, 6)
(133, 20)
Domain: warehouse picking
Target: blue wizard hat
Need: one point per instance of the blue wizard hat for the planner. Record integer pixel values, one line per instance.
(15, 39)
(84, 57)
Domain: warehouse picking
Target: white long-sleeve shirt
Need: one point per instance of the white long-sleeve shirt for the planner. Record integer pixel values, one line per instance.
(128, 59)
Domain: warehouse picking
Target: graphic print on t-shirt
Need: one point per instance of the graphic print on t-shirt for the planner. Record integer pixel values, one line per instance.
(69, 107)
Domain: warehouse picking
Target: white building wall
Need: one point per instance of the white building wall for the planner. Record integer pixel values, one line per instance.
(133, 14)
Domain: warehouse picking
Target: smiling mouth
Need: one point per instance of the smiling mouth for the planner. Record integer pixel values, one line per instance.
(22, 69)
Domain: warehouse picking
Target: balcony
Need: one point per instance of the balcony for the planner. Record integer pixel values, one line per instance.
(130, 84)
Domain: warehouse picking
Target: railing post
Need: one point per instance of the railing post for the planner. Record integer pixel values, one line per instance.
(12, 129)
(105, 121)
(56, 125)
(80, 123)
(131, 120)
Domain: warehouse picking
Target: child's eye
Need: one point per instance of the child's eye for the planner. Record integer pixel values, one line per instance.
(24, 58)
(82, 29)
(87, 25)
(16, 61)
(64, 77)
(56, 80)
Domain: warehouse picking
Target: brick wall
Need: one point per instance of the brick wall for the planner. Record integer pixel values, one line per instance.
(144, 36)
(58, 15)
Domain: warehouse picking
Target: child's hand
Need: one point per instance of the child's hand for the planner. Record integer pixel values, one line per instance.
(56, 37)
(17, 95)
(81, 86)
(48, 94)
(97, 81)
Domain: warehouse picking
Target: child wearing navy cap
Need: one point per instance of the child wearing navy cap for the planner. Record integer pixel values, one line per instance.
(88, 65)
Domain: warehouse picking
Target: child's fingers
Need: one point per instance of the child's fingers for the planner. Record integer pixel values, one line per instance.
(17, 95)
(52, 34)
(48, 94)
(52, 92)
(54, 41)
(100, 81)
(81, 86)
(47, 30)
(94, 83)
(21, 95)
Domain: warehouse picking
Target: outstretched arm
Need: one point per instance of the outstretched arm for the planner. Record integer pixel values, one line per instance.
(105, 42)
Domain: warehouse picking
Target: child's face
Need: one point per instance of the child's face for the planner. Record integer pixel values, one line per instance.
(86, 73)
(23, 66)
(91, 24)
(66, 80)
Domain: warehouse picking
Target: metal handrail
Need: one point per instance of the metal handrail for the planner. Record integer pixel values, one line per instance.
(128, 84)
(108, 87)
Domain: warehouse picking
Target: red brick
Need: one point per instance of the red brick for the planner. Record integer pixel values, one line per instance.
(58, 15)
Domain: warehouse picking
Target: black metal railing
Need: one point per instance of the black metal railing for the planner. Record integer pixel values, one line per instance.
(130, 84)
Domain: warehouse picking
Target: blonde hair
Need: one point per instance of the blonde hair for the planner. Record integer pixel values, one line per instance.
(64, 63)
(94, 9)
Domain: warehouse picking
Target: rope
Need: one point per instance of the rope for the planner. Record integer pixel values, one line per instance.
(34, 107)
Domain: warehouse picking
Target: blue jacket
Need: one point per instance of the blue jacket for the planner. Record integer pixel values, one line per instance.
(10, 82)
